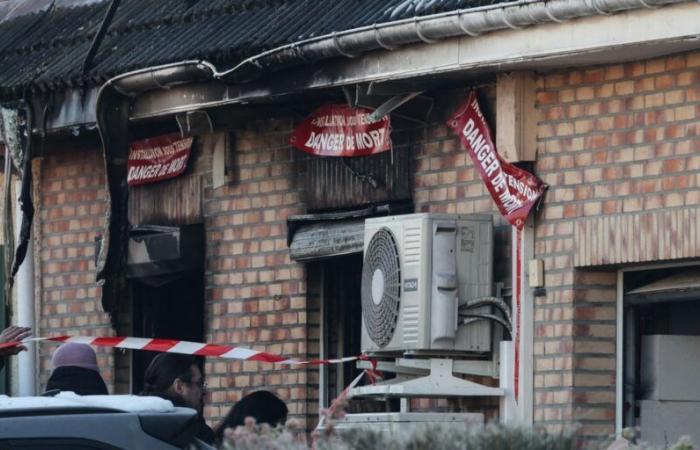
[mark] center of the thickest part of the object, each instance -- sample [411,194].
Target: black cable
[490,317]
[493,301]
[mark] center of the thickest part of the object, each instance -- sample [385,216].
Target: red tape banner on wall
[514,190]
[159,158]
[339,130]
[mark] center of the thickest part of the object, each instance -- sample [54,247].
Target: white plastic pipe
[24,288]
[509,413]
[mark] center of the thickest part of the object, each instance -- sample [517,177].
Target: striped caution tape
[186,348]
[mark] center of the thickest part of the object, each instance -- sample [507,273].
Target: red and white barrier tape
[185,348]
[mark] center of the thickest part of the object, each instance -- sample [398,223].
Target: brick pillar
[255,295]
[594,352]
[71,215]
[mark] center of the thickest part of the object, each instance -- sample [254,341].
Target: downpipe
[112,114]
[26,361]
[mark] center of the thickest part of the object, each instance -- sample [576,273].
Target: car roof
[69,402]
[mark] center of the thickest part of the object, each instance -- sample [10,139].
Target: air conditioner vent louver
[381,287]
[412,245]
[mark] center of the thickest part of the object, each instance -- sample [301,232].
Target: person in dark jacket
[263,406]
[75,369]
[12,334]
[178,378]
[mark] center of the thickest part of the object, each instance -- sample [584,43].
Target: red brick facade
[612,140]
[70,214]
[256,296]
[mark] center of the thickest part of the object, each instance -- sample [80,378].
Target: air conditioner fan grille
[381,287]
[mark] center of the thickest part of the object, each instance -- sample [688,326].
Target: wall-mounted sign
[158,158]
[339,130]
[513,189]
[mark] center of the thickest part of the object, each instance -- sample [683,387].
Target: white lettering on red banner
[158,158]
[514,190]
[338,130]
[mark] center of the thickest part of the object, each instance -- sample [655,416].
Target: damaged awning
[323,240]
[317,236]
[677,287]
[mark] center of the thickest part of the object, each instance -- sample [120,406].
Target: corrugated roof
[45,45]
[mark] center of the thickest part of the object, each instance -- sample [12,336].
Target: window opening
[661,353]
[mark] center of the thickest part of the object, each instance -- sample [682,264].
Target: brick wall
[256,296]
[613,140]
[445,179]
[70,215]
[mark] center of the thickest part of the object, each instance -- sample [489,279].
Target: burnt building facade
[259,245]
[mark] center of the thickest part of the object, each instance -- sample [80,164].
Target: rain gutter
[388,36]
[428,29]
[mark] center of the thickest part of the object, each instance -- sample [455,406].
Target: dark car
[72,422]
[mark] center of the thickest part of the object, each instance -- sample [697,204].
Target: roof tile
[48,46]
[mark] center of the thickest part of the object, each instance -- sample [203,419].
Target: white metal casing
[428,317]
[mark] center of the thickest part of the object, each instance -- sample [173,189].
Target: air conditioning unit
[417,270]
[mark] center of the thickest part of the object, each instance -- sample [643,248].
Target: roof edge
[428,29]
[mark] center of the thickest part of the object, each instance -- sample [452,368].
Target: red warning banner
[514,190]
[339,130]
[156,159]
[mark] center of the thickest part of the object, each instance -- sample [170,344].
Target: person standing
[263,406]
[75,370]
[178,378]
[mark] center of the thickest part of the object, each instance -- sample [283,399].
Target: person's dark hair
[263,406]
[164,369]
[80,380]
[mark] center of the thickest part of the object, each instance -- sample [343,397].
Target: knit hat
[76,355]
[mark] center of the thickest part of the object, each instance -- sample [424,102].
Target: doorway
[171,310]
[341,311]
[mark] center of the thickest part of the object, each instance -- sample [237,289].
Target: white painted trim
[525,403]
[26,307]
[619,360]
[509,413]
[517,328]
[527,327]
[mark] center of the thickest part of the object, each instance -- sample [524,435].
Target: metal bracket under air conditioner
[439,381]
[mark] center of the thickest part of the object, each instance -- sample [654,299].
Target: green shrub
[292,436]
[423,437]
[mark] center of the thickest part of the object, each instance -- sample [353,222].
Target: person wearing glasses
[178,378]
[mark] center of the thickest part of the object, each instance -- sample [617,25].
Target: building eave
[627,36]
